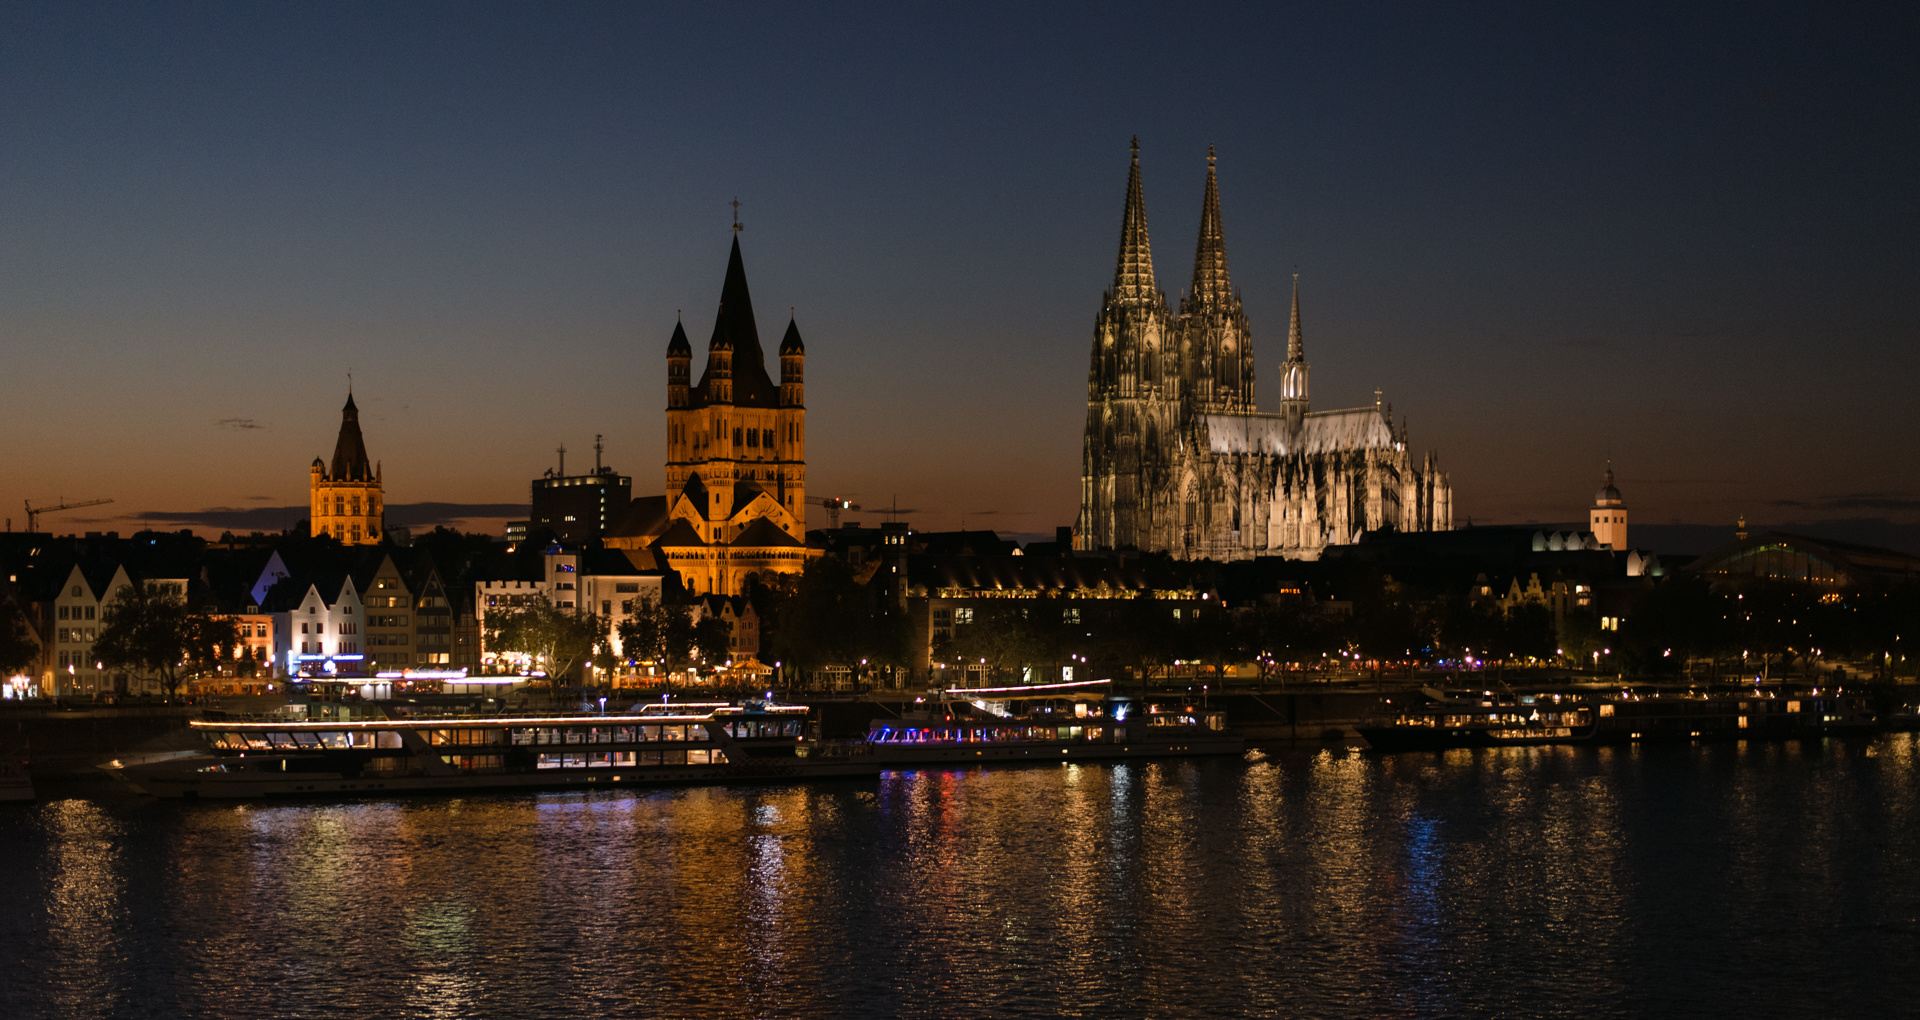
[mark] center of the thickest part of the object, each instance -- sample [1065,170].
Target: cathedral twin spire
[1133,281]
[1206,361]
[1212,287]
[1133,276]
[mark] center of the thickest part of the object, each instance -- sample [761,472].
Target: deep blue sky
[1685,235]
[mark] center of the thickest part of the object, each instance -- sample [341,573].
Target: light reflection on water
[1749,879]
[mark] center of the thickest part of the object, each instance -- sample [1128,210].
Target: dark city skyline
[1683,239]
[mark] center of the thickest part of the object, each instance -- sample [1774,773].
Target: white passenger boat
[1083,722]
[651,744]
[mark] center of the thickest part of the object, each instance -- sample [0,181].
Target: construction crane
[834,506]
[33,515]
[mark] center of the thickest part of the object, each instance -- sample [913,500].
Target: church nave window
[736,436]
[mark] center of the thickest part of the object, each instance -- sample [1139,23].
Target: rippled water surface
[1730,880]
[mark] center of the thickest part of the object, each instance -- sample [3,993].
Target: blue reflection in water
[1421,924]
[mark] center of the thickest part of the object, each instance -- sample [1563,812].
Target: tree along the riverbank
[558,640]
[18,650]
[152,631]
[832,619]
[667,635]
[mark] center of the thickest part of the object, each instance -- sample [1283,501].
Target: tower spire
[1133,275]
[1296,343]
[1293,373]
[1211,285]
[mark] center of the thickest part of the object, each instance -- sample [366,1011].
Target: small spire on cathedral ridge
[736,214]
[1296,340]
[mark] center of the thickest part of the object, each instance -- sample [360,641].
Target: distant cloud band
[279,518]
[1883,501]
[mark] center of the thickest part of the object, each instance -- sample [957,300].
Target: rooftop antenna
[563,460]
[736,214]
[596,453]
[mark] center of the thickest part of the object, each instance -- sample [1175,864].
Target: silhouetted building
[578,508]
[1823,563]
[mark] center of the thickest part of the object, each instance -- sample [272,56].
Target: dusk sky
[1686,236]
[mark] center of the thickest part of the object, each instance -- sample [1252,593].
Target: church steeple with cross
[736,492]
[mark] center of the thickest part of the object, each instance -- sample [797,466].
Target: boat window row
[748,730]
[984,734]
[531,735]
[630,759]
[303,740]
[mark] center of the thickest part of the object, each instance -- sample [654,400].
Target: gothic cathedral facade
[1177,459]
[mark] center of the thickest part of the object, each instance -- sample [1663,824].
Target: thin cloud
[276,518]
[240,424]
[1885,502]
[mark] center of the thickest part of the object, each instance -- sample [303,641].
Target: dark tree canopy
[153,631]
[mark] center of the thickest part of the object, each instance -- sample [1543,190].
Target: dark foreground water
[1729,880]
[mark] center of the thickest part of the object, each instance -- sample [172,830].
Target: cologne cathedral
[1178,461]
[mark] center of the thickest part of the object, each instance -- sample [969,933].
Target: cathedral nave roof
[1360,428]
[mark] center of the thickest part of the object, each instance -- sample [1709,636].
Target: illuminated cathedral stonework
[1177,460]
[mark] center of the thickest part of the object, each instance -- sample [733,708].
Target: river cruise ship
[1084,723]
[649,744]
[1434,720]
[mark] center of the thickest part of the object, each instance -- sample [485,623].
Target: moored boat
[650,744]
[1435,720]
[1096,726]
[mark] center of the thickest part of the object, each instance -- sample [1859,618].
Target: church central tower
[1133,391]
[346,495]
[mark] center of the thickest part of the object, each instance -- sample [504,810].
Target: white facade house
[79,614]
[316,632]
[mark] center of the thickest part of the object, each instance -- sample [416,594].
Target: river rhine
[1720,880]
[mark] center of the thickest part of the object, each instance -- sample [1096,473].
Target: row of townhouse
[371,610]
[309,607]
